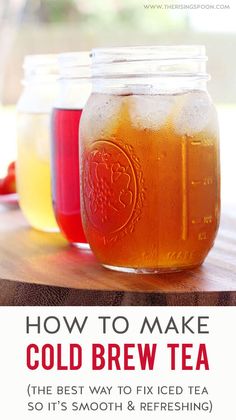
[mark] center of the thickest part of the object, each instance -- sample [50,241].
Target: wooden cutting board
[42,269]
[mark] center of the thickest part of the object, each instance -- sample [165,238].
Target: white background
[15,377]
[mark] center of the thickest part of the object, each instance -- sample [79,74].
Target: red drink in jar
[66,179]
[73,93]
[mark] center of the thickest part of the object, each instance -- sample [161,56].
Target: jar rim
[152,52]
[74,58]
[150,61]
[33,60]
[75,65]
[41,68]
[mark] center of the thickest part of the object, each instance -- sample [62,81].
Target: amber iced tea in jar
[150,164]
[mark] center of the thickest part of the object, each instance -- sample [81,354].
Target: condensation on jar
[150,159]
[74,90]
[33,141]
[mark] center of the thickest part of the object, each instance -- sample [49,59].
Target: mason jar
[33,141]
[74,90]
[150,159]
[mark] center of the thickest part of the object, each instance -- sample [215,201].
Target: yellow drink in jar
[33,170]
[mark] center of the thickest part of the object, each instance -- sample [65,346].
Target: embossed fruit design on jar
[150,160]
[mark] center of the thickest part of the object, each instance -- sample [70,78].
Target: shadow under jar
[150,159]
[74,90]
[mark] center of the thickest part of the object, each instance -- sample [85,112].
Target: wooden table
[42,269]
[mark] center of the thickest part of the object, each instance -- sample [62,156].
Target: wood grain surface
[42,269]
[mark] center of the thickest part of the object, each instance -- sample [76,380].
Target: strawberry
[8,184]
[11,168]
[3,189]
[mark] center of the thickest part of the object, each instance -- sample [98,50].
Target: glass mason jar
[74,90]
[33,141]
[150,159]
